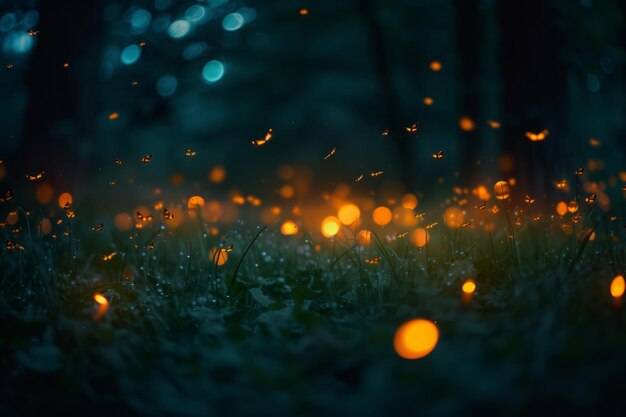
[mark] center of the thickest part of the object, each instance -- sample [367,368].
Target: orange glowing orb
[287,191]
[502,190]
[469,286]
[466,124]
[435,66]
[100,299]
[561,208]
[195,202]
[12,218]
[364,237]
[618,285]
[348,213]
[381,215]
[44,193]
[289,228]
[409,201]
[218,256]
[217,174]
[454,217]
[46,226]
[420,237]
[428,101]
[482,193]
[123,221]
[65,198]
[572,207]
[416,339]
[330,226]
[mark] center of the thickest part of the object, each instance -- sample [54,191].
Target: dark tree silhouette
[469,40]
[534,92]
[56,117]
[389,102]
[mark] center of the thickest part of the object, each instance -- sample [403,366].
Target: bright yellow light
[195,202]
[100,299]
[420,237]
[502,190]
[572,207]
[349,213]
[64,199]
[561,208]
[618,285]
[454,217]
[289,228]
[416,339]
[469,286]
[381,215]
[330,226]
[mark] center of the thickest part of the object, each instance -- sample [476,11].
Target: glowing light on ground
[420,237]
[65,198]
[454,217]
[195,202]
[381,215]
[330,226]
[468,287]
[561,208]
[100,299]
[502,190]
[349,213]
[618,285]
[416,339]
[218,256]
[289,228]
[364,237]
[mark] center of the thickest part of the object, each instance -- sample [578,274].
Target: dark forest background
[335,77]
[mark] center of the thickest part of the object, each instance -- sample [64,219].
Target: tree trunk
[381,62]
[534,92]
[51,124]
[469,40]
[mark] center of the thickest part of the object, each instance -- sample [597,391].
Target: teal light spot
[179,29]
[140,19]
[213,71]
[195,13]
[166,85]
[130,54]
[232,22]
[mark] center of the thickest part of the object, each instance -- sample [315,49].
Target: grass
[301,325]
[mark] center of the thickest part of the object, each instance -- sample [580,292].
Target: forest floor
[294,326]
